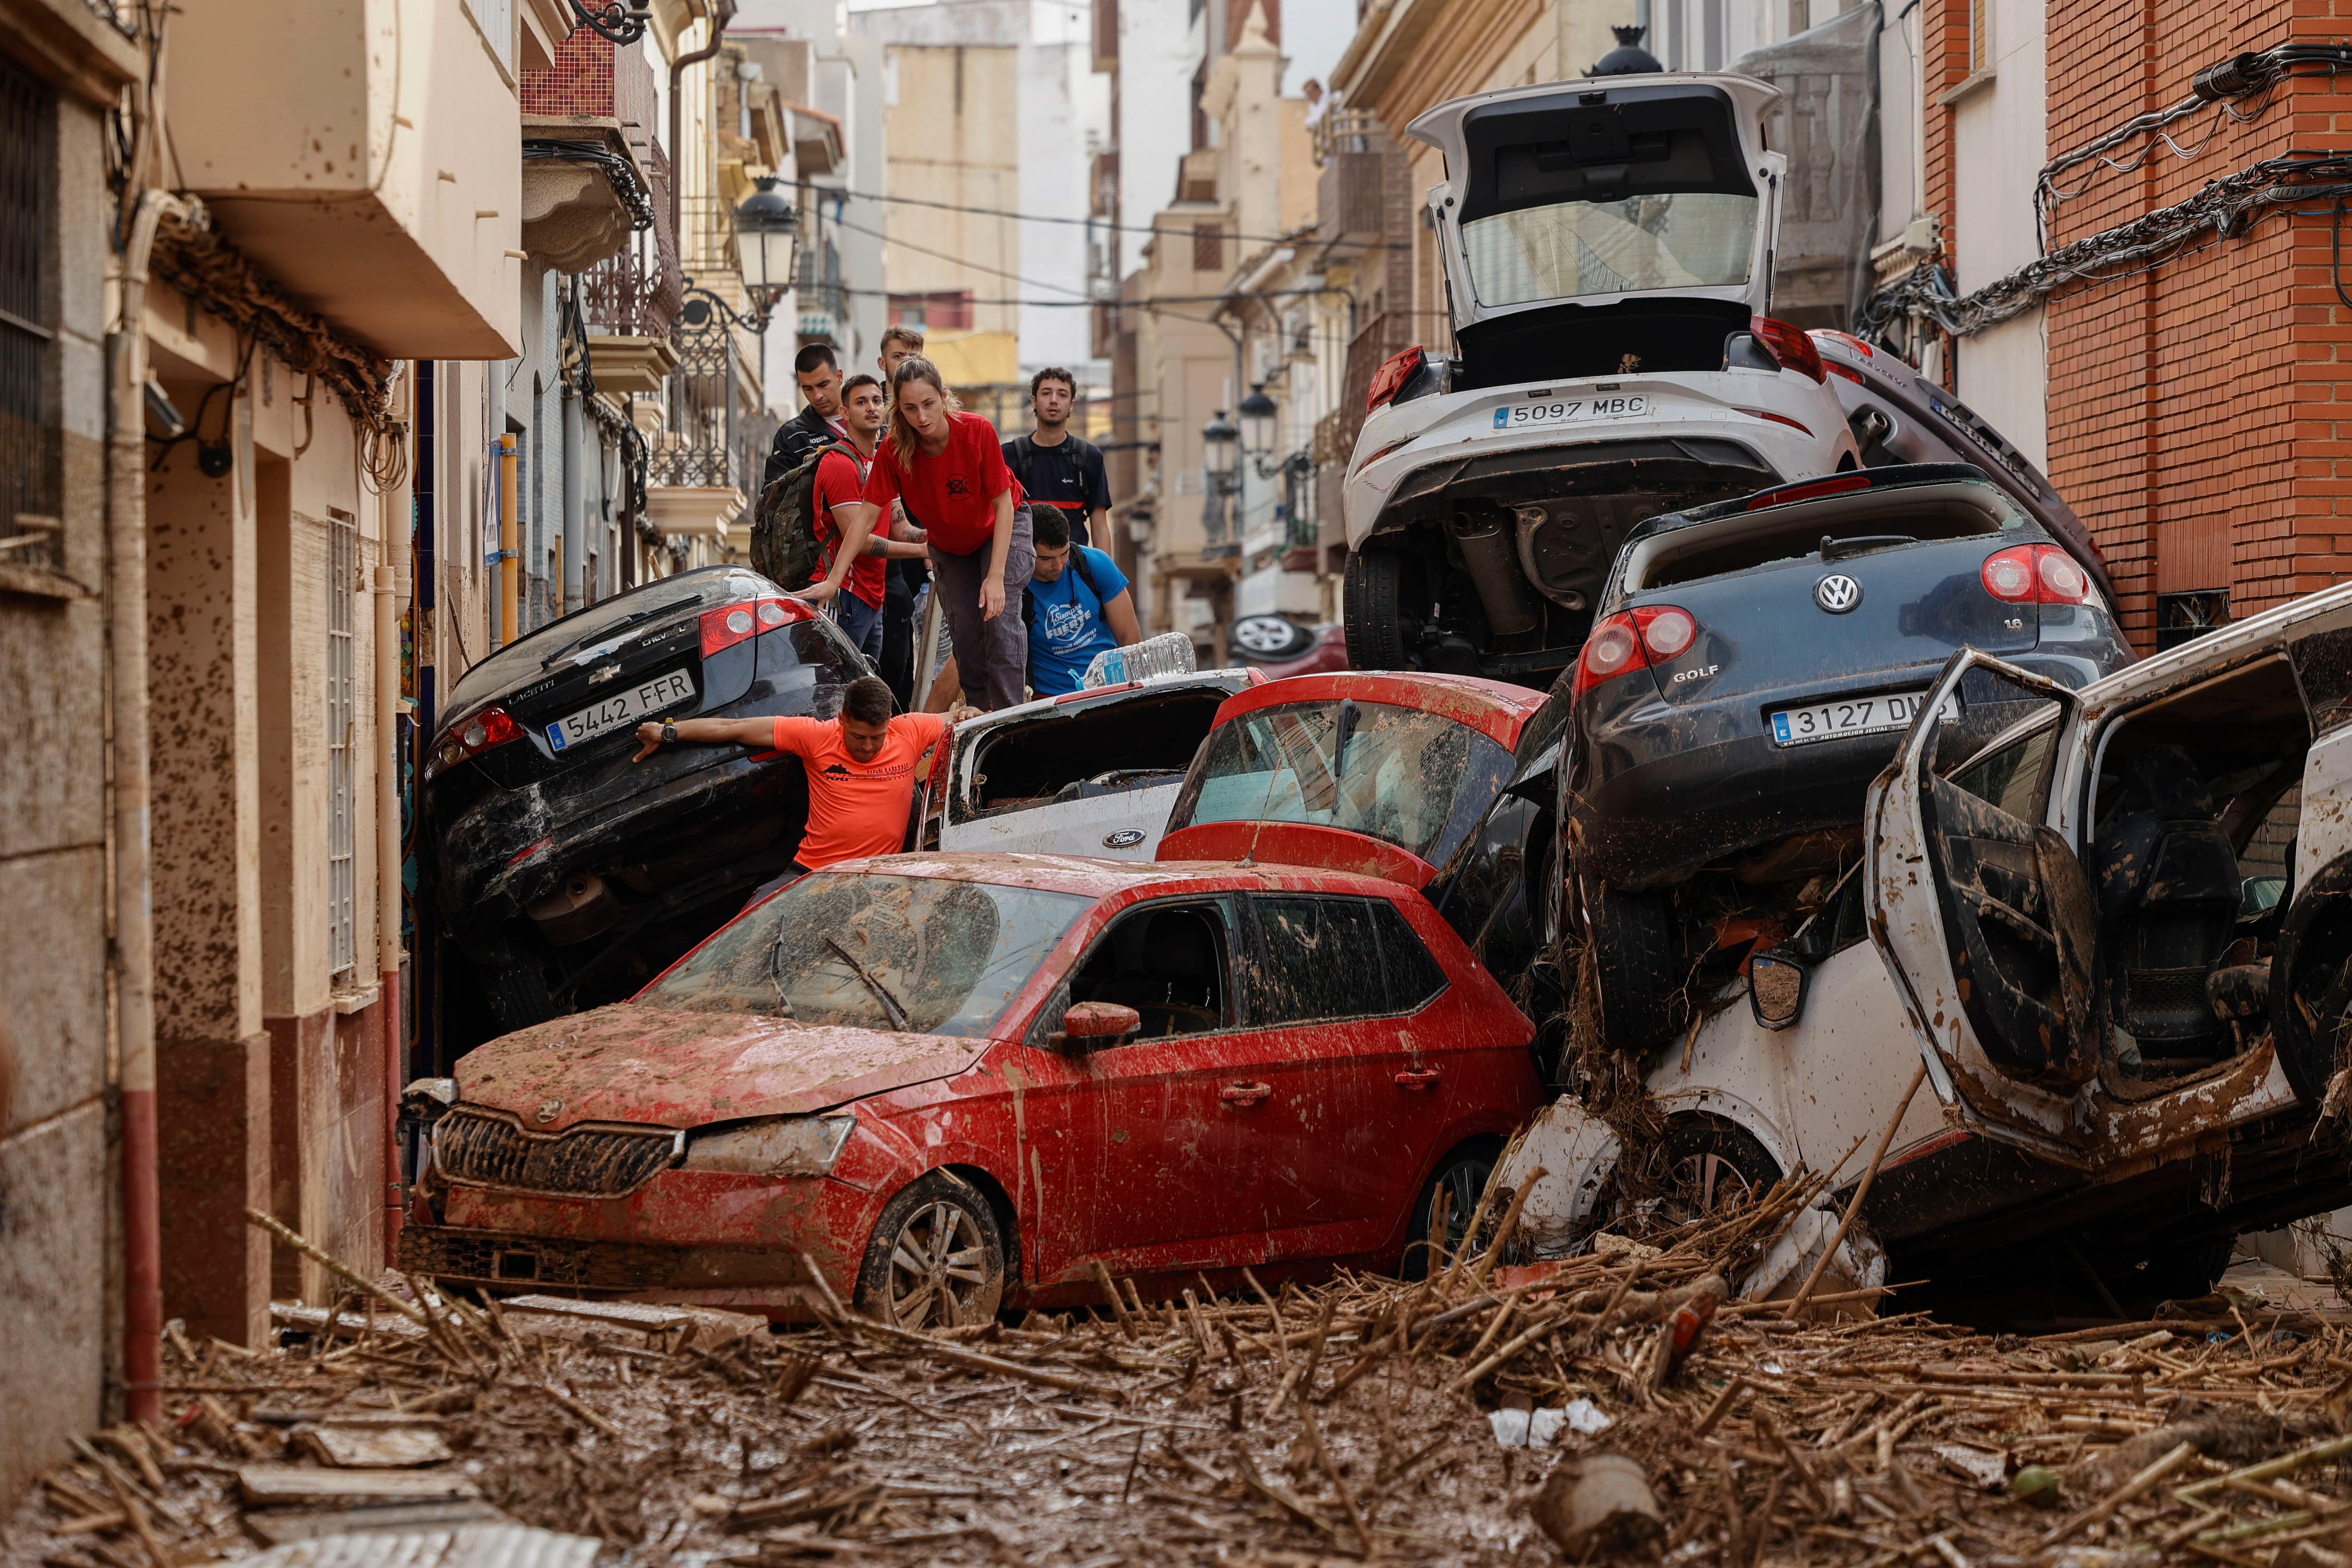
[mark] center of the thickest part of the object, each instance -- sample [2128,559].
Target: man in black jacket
[818,371]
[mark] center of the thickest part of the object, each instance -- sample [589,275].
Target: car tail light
[1823,334]
[730,624]
[1666,632]
[1787,493]
[492,727]
[2036,573]
[1789,345]
[1633,639]
[1389,379]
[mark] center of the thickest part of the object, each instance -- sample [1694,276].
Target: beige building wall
[951,129]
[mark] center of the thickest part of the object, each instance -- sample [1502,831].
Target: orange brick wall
[2193,410]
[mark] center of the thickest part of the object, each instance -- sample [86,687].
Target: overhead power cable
[2226,208]
[1177,233]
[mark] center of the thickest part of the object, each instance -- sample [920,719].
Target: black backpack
[784,545]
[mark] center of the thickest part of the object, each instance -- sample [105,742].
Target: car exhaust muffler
[1492,559]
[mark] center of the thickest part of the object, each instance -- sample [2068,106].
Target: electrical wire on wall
[2307,185]
[2223,85]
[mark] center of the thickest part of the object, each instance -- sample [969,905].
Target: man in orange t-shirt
[861,768]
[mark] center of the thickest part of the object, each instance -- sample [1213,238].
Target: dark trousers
[898,634]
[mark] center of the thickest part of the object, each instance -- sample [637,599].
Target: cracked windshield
[919,955]
[1674,240]
[1366,767]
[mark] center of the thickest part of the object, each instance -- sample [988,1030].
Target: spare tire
[1271,638]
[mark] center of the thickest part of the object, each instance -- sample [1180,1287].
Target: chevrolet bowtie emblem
[598,677]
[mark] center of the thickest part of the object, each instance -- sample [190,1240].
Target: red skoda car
[953,1083]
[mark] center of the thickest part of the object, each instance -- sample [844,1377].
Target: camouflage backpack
[784,544]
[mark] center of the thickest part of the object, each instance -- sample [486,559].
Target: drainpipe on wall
[720,14]
[134,889]
[510,544]
[387,871]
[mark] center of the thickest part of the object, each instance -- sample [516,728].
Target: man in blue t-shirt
[1077,604]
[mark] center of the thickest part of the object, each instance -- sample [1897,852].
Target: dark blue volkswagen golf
[1752,664]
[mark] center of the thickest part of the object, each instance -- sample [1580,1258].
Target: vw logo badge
[1125,838]
[1837,592]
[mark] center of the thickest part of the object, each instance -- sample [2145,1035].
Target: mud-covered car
[951,1083]
[1441,782]
[1091,771]
[1753,667]
[1608,249]
[2119,937]
[567,875]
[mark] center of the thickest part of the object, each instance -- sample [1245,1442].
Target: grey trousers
[992,656]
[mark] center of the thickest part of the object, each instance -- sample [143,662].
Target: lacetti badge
[1837,592]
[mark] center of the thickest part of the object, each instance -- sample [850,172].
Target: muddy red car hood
[627,1063]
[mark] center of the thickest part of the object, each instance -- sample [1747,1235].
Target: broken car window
[1674,240]
[951,955]
[1415,780]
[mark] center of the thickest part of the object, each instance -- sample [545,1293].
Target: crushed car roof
[1496,708]
[1101,878]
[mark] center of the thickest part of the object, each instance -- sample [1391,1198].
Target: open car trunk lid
[1623,215]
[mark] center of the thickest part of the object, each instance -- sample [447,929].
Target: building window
[948,310]
[1208,247]
[1979,36]
[342,579]
[29,443]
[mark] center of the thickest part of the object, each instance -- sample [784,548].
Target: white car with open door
[2120,936]
[1608,251]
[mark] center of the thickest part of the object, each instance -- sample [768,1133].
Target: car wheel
[1376,603]
[937,1259]
[512,982]
[1271,638]
[1643,1000]
[1713,1164]
[1457,1182]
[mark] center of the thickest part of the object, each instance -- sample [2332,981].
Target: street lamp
[1218,439]
[767,240]
[1259,414]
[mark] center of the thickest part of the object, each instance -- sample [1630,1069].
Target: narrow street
[1096,783]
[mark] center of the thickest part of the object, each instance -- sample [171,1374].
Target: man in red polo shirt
[860,766]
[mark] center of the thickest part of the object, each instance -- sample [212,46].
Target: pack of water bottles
[1170,653]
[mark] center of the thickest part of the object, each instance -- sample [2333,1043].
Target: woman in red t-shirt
[948,466]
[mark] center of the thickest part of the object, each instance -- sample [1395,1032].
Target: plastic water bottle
[1170,653]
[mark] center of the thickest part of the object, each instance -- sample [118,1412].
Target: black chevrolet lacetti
[567,875]
[1751,666]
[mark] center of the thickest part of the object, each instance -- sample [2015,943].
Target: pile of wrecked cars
[1730,689]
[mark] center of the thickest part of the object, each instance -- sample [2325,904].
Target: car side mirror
[1091,1024]
[1776,988]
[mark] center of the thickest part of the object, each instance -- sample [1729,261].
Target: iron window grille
[29,451]
[342,580]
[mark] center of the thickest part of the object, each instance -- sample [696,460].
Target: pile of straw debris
[1613,1406]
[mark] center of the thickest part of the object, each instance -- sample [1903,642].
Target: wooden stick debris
[1861,1191]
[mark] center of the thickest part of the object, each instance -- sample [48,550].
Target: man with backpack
[817,370]
[1077,604]
[850,565]
[1055,469]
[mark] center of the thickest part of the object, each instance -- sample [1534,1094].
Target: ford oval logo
[1125,838]
[1837,592]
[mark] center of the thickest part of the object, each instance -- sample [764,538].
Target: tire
[512,983]
[1713,1164]
[937,1258]
[1374,602]
[1643,1004]
[1271,638]
[1461,1176]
